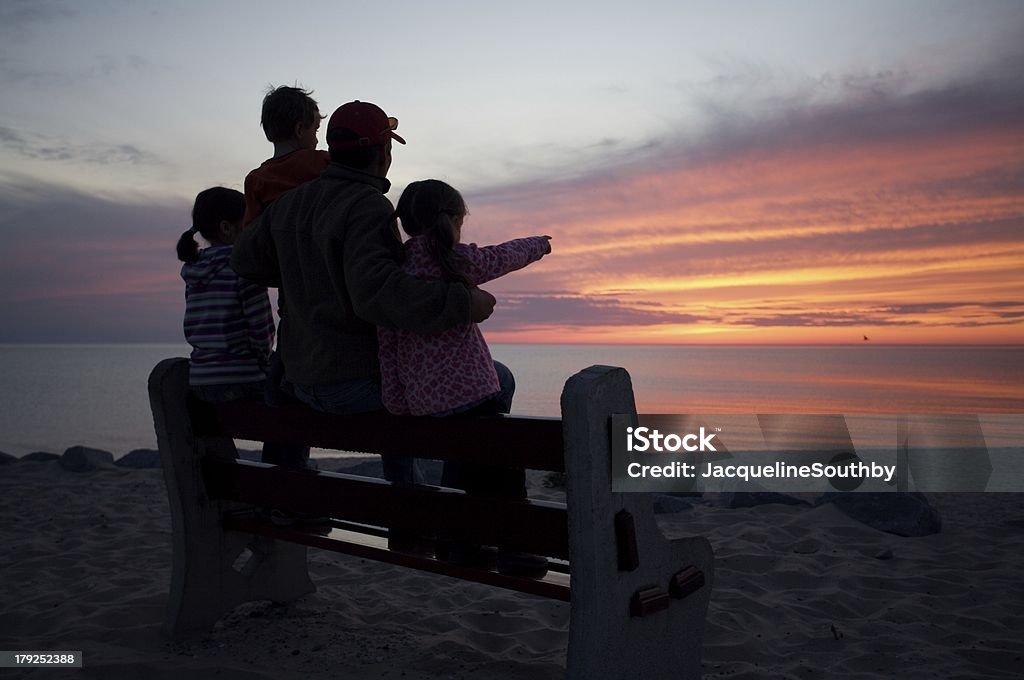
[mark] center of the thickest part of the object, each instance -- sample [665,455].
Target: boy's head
[290,114]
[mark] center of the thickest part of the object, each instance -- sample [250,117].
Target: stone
[884,554]
[139,459]
[40,457]
[902,514]
[84,459]
[6,458]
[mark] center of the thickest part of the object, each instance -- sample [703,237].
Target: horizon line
[48,343]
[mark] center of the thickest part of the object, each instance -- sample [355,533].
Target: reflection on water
[737,379]
[53,396]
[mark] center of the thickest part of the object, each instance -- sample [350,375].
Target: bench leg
[213,570]
[639,601]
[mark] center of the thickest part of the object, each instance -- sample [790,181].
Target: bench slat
[554,585]
[515,441]
[539,527]
[554,563]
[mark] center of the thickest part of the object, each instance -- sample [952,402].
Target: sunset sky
[710,172]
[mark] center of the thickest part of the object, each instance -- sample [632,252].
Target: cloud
[819,320]
[753,112]
[51,148]
[921,308]
[18,17]
[526,311]
[760,108]
[83,267]
[958,314]
[38,23]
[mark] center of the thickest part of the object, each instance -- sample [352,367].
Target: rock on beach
[85,459]
[140,459]
[39,457]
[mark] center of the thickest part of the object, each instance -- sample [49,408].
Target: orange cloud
[819,243]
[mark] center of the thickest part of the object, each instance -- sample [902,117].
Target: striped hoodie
[228,322]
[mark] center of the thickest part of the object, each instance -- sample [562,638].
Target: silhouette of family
[367,322]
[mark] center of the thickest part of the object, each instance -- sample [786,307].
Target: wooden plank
[554,585]
[538,527]
[534,443]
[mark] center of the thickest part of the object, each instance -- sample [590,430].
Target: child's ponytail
[188,249]
[441,244]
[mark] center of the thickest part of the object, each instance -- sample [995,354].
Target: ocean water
[56,396]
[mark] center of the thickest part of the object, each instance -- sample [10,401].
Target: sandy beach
[800,592]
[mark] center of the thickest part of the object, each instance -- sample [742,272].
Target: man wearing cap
[332,248]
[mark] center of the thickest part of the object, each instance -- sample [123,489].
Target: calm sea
[56,396]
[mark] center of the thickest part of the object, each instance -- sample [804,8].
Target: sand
[799,593]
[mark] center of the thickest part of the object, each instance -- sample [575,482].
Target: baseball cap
[371,125]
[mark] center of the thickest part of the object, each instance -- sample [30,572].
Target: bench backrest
[536,443]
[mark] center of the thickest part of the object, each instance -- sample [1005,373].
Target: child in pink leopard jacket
[452,373]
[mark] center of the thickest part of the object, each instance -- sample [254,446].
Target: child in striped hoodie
[228,320]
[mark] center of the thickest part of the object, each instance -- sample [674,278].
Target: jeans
[359,396]
[232,392]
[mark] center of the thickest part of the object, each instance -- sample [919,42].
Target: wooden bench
[638,601]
